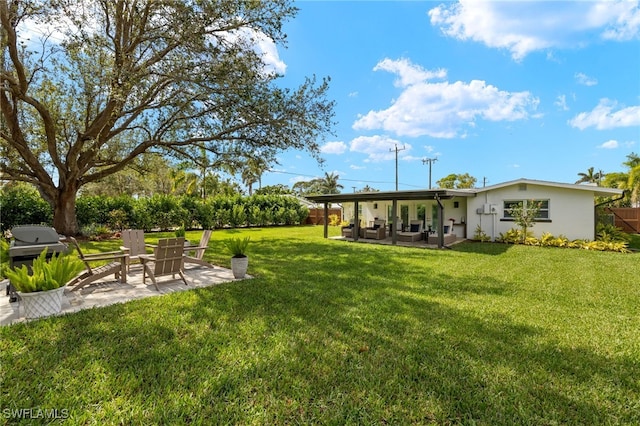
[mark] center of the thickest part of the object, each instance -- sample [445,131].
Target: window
[543,208]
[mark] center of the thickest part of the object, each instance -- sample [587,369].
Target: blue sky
[499,90]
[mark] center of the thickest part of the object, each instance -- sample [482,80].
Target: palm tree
[633,180]
[329,184]
[590,176]
[252,171]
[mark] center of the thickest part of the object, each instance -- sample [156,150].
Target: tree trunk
[64,212]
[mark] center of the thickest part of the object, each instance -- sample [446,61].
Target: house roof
[423,194]
[597,190]
[440,193]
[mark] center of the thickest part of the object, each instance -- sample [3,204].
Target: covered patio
[395,197]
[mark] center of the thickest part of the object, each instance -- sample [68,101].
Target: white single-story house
[564,209]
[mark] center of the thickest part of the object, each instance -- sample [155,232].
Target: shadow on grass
[327,334]
[482,248]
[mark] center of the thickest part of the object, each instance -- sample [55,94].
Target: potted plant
[180,232]
[41,291]
[237,247]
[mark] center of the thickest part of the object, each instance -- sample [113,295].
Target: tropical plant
[55,273]
[237,247]
[524,215]
[590,176]
[334,220]
[4,257]
[329,183]
[480,235]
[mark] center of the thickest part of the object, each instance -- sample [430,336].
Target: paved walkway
[108,292]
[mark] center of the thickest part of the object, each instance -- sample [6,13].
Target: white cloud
[561,103]
[266,47]
[297,179]
[585,80]
[262,44]
[408,72]
[353,94]
[610,144]
[337,147]
[354,167]
[604,117]
[378,148]
[441,109]
[523,27]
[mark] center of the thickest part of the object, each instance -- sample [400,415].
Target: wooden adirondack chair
[199,251]
[117,267]
[133,245]
[168,259]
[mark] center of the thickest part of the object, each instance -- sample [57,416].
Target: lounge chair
[168,259]
[378,231]
[133,244]
[347,231]
[198,251]
[413,234]
[117,267]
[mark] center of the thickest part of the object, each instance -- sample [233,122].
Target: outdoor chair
[347,231]
[413,234]
[117,266]
[168,259]
[133,244]
[198,251]
[378,231]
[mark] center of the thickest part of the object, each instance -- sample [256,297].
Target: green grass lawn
[339,333]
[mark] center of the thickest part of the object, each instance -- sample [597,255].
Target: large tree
[457,181]
[112,79]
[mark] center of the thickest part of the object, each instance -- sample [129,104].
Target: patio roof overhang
[394,197]
[424,194]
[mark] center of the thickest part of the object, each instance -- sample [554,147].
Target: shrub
[480,235]
[609,233]
[334,220]
[118,219]
[21,204]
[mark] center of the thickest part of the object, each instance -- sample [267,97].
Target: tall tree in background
[113,79]
[329,183]
[590,176]
[457,181]
[628,181]
[252,172]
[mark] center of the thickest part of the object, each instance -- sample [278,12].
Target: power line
[345,180]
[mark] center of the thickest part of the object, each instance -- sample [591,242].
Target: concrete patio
[108,292]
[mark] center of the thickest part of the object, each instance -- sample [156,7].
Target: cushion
[376,225]
[415,228]
[351,225]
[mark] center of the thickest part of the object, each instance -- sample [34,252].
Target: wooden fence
[626,218]
[316,216]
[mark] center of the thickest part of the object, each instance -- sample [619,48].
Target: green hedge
[22,204]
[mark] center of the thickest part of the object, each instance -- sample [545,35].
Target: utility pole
[430,161]
[484,182]
[396,149]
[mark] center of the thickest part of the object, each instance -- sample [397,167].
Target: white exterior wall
[571,211]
